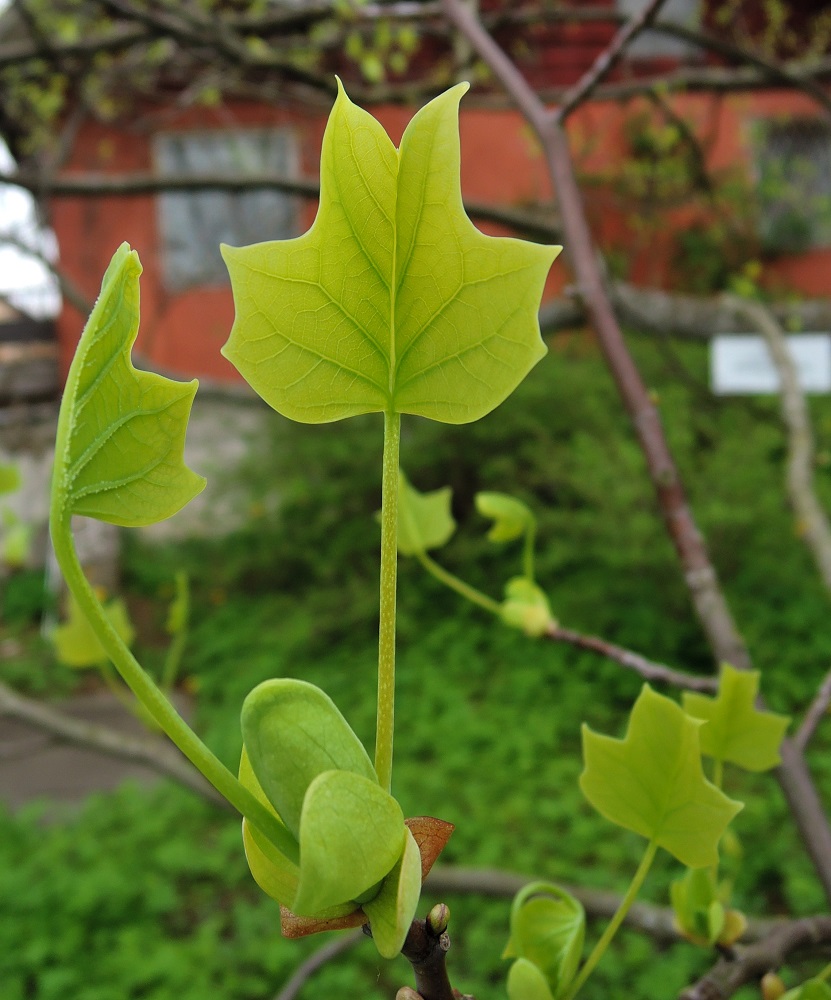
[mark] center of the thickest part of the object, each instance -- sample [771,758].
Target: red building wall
[501,163]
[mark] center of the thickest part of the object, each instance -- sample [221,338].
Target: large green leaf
[293,732]
[121,433]
[424,519]
[737,731]
[392,301]
[352,834]
[391,912]
[652,782]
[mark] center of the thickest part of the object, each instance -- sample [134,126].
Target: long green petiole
[451,580]
[151,697]
[600,948]
[389,576]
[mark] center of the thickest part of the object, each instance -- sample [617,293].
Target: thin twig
[608,59]
[817,711]
[812,521]
[749,964]
[647,669]
[159,756]
[329,951]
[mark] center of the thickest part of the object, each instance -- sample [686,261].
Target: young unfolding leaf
[526,982]
[813,989]
[303,760]
[526,607]
[77,645]
[699,913]
[424,519]
[651,782]
[121,432]
[737,731]
[393,301]
[547,928]
[511,518]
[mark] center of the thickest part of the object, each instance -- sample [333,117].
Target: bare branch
[647,669]
[815,714]
[812,522]
[161,757]
[329,951]
[749,964]
[608,59]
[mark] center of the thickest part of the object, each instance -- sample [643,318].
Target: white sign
[740,364]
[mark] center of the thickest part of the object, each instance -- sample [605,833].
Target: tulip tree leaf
[393,301]
[424,519]
[651,781]
[548,928]
[76,643]
[511,517]
[737,731]
[121,433]
[352,834]
[392,911]
[293,732]
[527,982]
[698,911]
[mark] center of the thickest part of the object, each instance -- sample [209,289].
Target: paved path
[36,765]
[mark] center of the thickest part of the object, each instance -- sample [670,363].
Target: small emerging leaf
[526,607]
[511,518]
[77,645]
[393,301]
[526,982]
[121,432]
[548,928]
[392,911]
[424,519]
[699,913]
[651,781]
[736,730]
[179,611]
[812,989]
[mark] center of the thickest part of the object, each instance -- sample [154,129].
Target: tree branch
[329,951]
[161,757]
[700,575]
[647,669]
[608,59]
[815,714]
[749,964]
[812,522]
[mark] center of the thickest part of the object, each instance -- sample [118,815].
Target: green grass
[146,894]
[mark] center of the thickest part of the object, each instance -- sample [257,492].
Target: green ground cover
[145,894]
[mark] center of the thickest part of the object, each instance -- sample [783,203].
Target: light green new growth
[651,782]
[393,302]
[424,519]
[76,643]
[736,731]
[119,458]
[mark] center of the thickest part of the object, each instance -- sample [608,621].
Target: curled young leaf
[698,911]
[391,912]
[526,607]
[526,982]
[424,519]
[121,432]
[393,301]
[651,781]
[76,643]
[548,928]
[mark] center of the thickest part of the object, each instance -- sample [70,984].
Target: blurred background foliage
[145,893]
